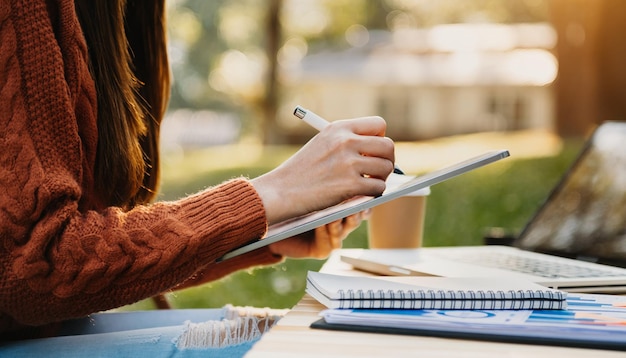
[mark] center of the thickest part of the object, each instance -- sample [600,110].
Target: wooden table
[292,337]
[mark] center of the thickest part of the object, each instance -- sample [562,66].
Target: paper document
[597,321]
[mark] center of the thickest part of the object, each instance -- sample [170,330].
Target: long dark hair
[126,40]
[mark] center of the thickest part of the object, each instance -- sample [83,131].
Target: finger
[366,214]
[338,234]
[352,222]
[335,228]
[368,186]
[376,167]
[371,126]
[381,147]
[322,244]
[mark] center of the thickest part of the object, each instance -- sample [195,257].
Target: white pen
[311,118]
[320,123]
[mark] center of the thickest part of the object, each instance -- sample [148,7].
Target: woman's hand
[320,242]
[347,159]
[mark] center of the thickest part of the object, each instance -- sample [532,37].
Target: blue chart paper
[594,321]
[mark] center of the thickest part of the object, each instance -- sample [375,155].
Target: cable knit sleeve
[58,260]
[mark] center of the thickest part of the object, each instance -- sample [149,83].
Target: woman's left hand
[320,242]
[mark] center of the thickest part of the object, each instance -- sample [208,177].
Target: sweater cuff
[225,217]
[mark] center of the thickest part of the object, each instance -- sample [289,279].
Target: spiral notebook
[461,293]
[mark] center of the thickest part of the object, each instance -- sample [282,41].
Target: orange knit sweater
[62,253]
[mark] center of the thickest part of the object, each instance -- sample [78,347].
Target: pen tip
[397,170]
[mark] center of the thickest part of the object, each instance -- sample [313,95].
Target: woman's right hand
[348,158]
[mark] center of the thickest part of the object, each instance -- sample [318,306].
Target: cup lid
[394,180]
[422,192]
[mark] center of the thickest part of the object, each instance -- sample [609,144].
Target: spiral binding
[441,299]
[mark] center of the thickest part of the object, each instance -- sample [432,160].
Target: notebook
[401,185]
[590,321]
[453,293]
[576,241]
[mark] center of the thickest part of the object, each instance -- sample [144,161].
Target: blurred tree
[217,56]
[611,55]
[591,53]
[269,102]
[194,46]
[576,24]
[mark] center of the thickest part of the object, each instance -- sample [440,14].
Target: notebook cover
[580,341]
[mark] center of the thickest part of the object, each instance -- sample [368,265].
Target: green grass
[504,194]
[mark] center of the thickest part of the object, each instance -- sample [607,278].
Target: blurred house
[188,129]
[446,80]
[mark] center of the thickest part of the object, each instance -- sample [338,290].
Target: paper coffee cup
[398,223]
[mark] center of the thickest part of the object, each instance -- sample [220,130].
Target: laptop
[576,241]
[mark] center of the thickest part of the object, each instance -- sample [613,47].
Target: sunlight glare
[532,66]
[293,51]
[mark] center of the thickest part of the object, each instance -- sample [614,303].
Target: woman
[83,88]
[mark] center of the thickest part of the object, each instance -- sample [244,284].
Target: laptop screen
[585,215]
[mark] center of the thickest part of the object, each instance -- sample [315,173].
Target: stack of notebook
[484,308]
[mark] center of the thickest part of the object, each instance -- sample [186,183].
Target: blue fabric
[127,334]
